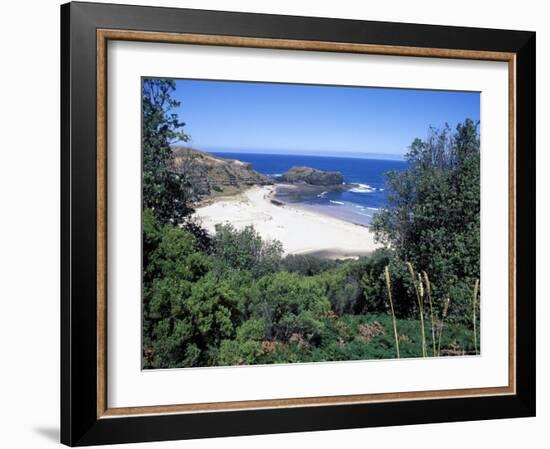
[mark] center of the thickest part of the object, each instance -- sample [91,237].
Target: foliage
[171,267]
[306,264]
[245,250]
[356,286]
[214,308]
[373,282]
[289,304]
[433,218]
[343,288]
[198,311]
[246,347]
[364,337]
[165,192]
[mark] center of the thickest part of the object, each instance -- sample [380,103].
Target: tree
[244,249]
[288,304]
[172,266]
[165,192]
[246,347]
[433,218]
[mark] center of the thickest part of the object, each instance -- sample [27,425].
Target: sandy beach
[300,231]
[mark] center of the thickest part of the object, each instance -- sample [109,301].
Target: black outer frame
[79,423]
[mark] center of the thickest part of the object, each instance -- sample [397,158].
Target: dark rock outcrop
[312,176]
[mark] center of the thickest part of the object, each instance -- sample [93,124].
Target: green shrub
[245,250]
[289,304]
[307,265]
[246,348]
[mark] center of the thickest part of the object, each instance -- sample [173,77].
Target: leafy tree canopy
[165,192]
[433,218]
[245,250]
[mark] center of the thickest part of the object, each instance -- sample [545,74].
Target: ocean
[357,205]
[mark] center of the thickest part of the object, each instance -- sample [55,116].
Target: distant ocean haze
[357,204]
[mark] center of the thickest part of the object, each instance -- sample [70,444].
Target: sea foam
[362,188]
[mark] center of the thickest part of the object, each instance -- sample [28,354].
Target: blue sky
[323,120]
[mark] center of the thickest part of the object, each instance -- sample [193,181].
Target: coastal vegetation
[233,297]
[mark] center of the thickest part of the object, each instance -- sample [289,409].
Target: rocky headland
[212,175]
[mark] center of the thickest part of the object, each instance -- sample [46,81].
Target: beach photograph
[294,223]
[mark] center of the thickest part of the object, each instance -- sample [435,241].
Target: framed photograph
[281,224]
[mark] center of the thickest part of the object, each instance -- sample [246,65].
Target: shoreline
[300,230]
[300,197]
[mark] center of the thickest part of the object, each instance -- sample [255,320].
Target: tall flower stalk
[388,286]
[418,288]
[429,293]
[446,303]
[474,306]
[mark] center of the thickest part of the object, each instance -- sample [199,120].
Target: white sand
[300,231]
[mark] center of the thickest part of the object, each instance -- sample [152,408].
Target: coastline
[300,230]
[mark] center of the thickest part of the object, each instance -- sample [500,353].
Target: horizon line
[378,156]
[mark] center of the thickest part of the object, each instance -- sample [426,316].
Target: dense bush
[433,217]
[289,304]
[198,314]
[361,337]
[245,250]
[343,288]
[306,264]
[203,309]
[246,348]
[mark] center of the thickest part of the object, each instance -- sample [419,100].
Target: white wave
[322,195]
[363,188]
[337,202]
[373,208]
